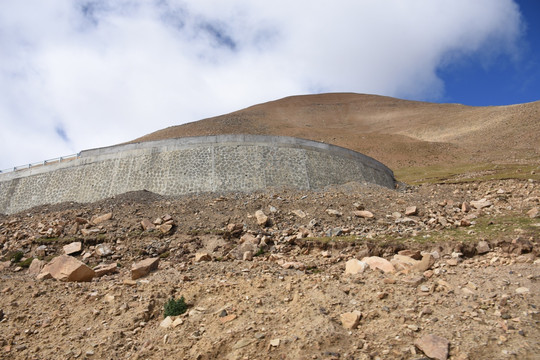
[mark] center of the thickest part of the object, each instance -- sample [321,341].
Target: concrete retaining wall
[182,166]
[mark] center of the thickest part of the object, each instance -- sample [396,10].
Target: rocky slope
[351,272]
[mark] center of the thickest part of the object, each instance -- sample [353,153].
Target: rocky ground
[351,272]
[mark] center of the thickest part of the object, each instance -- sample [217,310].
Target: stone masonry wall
[224,163]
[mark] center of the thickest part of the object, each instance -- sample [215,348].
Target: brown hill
[399,133]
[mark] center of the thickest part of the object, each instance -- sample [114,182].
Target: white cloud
[84,74]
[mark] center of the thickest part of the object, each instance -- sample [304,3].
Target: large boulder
[67,268]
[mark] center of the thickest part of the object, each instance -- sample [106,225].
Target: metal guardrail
[42,163]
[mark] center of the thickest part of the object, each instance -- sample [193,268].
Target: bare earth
[398,133]
[279,289]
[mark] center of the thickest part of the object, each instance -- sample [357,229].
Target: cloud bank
[84,74]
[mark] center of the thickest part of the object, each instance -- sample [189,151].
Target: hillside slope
[399,133]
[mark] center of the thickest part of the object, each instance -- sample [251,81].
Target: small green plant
[259,252]
[17,256]
[26,263]
[164,255]
[174,307]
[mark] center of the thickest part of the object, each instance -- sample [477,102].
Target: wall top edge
[97,154]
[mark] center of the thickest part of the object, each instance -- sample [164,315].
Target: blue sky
[502,80]
[82,74]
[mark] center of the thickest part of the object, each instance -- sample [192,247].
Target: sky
[77,75]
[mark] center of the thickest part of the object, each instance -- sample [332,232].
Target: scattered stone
[104,269]
[36,266]
[299,213]
[73,248]
[243,343]
[274,342]
[411,210]
[262,219]
[248,256]
[522,290]
[99,219]
[350,320]
[333,212]
[363,214]
[67,268]
[200,257]
[143,267]
[533,213]
[376,262]
[249,243]
[41,251]
[294,265]
[228,318]
[166,323]
[465,207]
[402,262]
[480,204]
[415,254]
[435,347]
[165,228]
[355,266]
[452,262]
[147,225]
[177,322]
[103,250]
[483,247]
[92,231]
[425,264]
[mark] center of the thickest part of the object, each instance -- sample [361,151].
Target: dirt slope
[397,132]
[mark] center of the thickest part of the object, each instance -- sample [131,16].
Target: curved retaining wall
[182,166]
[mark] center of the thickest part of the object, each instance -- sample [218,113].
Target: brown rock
[294,265]
[363,214]
[415,254]
[355,266]
[144,267]
[350,320]
[483,247]
[376,262]
[333,212]
[248,256]
[262,219]
[41,250]
[92,231]
[101,218]
[227,318]
[73,248]
[104,269]
[5,265]
[249,243]
[465,207]
[425,264]
[299,213]
[147,225]
[435,347]
[36,266]
[480,204]
[411,210]
[402,262]
[165,228]
[200,257]
[81,221]
[67,268]
[533,213]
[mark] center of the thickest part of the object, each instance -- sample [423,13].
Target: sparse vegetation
[174,307]
[26,263]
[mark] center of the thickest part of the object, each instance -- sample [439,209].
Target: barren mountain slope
[397,132]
